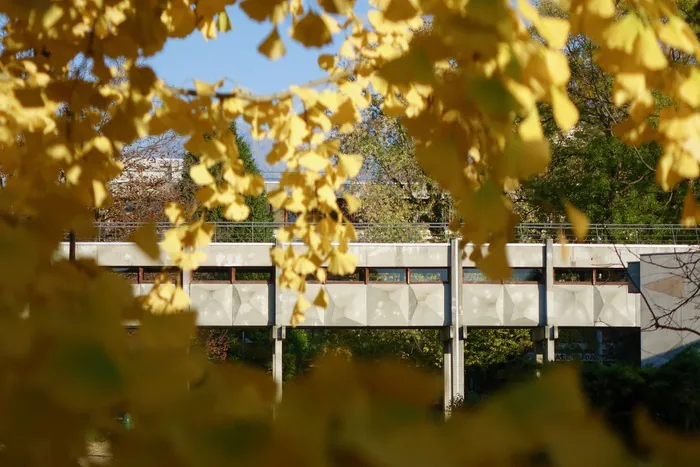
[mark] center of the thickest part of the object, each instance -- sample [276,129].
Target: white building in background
[166,168]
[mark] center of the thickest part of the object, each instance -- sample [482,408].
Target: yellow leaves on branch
[460,85]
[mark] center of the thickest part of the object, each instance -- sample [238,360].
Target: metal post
[278,335]
[455,320]
[71,246]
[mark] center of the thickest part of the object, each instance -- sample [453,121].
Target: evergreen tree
[259,205]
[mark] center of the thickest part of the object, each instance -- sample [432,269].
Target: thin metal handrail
[429,232]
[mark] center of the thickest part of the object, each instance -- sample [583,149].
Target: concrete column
[446,338]
[186,279]
[456,336]
[277,335]
[545,335]
[545,338]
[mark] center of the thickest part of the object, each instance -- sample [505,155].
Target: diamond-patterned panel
[213,303]
[482,304]
[612,307]
[251,304]
[573,305]
[347,305]
[387,305]
[521,304]
[427,304]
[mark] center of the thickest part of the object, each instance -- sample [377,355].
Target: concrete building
[554,287]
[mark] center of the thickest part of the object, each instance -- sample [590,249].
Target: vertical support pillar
[446,338]
[545,335]
[278,334]
[545,338]
[71,246]
[599,345]
[186,280]
[457,344]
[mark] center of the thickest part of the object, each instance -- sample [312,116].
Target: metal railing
[260,232]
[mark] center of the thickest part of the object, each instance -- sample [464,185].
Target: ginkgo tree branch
[255,98]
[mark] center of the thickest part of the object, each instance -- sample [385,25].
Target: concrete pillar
[453,337]
[545,335]
[186,279]
[446,338]
[599,345]
[545,338]
[277,335]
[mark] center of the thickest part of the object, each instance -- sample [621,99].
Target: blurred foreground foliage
[189,412]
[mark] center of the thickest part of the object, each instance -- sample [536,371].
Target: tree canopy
[472,93]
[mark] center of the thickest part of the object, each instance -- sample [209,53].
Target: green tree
[610,181]
[259,205]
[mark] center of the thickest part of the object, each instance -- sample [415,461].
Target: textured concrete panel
[127,254]
[573,306]
[613,307]
[137,289]
[251,304]
[482,304]
[520,255]
[387,305]
[314,316]
[669,286]
[407,255]
[238,254]
[347,305]
[429,305]
[591,255]
[213,303]
[521,304]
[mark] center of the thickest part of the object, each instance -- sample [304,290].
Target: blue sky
[234,57]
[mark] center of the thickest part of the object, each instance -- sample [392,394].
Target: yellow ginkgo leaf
[341,263]
[678,34]
[223,22]
[554,30]
[313,161]
[352,202]
[337,7]
[579,221]
[321,299]
[689,91]
[175,213]
[204,89]
[326,61]
[201,175]
[272,47]
[100,193]
[565,112]
[351,164]
[690,209]
[147,239]
[648,52]
[277,198]
[311,31]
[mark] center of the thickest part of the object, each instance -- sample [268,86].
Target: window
[144,275]
[574,275]
[610,275]
[419,275]
[474,275]
[129,274]
[150,274]
[387,275]
[527,275]
[357,276]
[253,275]
[211,274]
